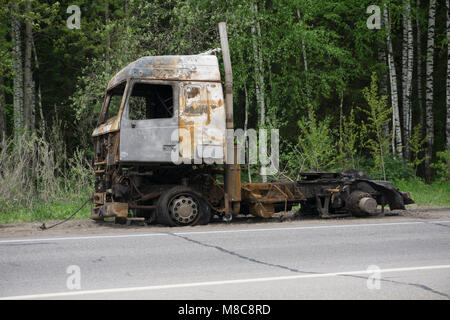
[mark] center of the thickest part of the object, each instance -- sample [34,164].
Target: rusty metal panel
[202,122]
[200,67]
[263,196]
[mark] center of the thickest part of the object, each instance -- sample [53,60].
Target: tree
[377,116]
[17,69]
[419,64]
[447,3]
[28,101]
[407,70]
[258,65]
[396,129]
[430,88]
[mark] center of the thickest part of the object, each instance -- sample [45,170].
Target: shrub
[442,166]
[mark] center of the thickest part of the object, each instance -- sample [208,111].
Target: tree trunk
[396,130]
[245,130]
[18,71]
[448,76]
[429,90]
[39,96]
[407,68]
[257,54]
[305,63]
[259,76]
[383,82]
[28,100]
[419,65]
[404,70]
[108,37]
[2,114]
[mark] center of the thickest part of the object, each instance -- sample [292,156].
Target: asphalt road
[376,260]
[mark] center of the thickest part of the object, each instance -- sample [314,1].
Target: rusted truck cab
[162,124]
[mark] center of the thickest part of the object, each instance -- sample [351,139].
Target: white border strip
[213,283]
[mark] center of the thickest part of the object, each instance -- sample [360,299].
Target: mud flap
[394,198]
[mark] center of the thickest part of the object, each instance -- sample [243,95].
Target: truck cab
[158,112]
[164,109]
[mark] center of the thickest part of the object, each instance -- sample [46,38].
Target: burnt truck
[160,110]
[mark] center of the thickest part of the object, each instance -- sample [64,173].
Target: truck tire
[182,206]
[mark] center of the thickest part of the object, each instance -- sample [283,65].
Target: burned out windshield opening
[114,100]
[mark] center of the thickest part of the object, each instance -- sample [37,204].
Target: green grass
[44,212]
[435,194]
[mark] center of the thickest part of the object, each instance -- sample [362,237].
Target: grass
[435,194]
[44,212]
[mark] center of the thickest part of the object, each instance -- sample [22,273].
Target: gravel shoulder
[84,227]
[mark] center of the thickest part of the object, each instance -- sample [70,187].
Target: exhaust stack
[232,177]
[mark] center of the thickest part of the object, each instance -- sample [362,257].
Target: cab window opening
[150,101]
[114,100]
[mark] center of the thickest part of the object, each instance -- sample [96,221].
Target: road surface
[370,259]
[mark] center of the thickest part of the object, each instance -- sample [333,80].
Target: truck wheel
[362,204]
[182,206]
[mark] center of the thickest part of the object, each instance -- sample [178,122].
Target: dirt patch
[84,227]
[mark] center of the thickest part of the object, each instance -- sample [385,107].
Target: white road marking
[83,238]
[213,283]
[221,231]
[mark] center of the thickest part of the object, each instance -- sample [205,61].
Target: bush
[35,176]
[442,166]
[396,169]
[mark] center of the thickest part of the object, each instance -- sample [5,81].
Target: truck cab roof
[201,67]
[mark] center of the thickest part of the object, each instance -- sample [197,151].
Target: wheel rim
[183,209]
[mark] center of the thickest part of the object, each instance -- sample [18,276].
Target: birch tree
[429,88]
[28,101]
[419,64]
[2,114]
[447,3]
[258,63]
[407,69]
[17,70]
[305,63]
[396,130]
[257,54]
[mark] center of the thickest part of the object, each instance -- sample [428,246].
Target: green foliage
[417,146]
[316,144]
[397,168]
[442,166]
[348,143]
[378,116]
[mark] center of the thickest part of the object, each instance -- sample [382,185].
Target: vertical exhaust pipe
[229,179]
